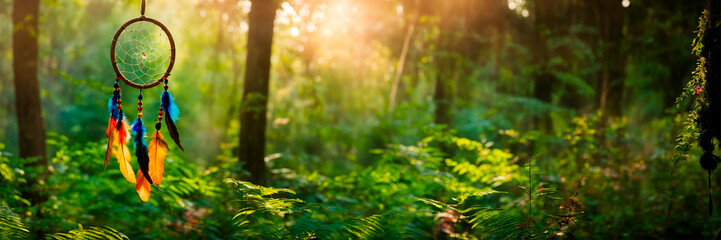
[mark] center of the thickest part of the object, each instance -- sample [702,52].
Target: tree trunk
[255,89]
[27,91]
[612,82]
[400,66]
[442,96]
[544,79]
[31,128]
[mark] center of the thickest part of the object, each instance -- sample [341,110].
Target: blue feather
[113,108]
[141,148]
[138,129]
[110,104]
[169,106]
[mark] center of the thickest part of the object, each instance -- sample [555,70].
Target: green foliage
[11,226]
[80,191]
[264,217]
[488,222]
[12,177]
[479,218]
[92,233]
[696,86]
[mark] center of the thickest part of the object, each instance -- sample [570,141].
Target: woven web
[142,52]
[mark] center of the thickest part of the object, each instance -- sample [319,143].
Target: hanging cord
[142,8]
[140,104]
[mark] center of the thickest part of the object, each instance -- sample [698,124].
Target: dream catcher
[142,54]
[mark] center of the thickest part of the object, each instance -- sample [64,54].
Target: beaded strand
[140,104]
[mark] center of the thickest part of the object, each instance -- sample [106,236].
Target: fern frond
[496,224]
[413,232]
[11,226]
[99,233]
[436,203]
[363,228]
[257,189]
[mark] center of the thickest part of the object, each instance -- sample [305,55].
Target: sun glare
[328,19]
[519,6]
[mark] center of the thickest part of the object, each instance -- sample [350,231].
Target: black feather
[141,149]
[173,131]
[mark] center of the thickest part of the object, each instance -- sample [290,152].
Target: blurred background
[481,94]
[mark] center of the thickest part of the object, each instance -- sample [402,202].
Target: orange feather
[157,150]
[110,133]
[142,187]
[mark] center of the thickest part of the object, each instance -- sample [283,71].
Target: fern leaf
[11,226]
[100,233]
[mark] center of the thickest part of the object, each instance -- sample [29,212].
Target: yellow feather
[142,187]
[122,153]
[157,150]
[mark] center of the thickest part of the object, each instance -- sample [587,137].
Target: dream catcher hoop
[144,47]
[142,54]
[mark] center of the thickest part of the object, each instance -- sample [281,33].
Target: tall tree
[608,17]
[255,89]
[544,79]
[31,127]
[446,63]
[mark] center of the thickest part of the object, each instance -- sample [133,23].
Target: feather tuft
[138,128]
[115,112]
[112,123]
[169,106]
[123,132]
[141,148]
[158,150]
